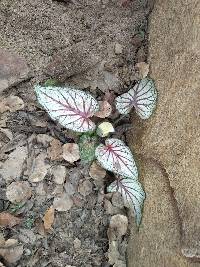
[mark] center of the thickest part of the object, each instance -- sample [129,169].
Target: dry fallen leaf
[13,166]
[18,192]
[11,103]
[55,150]
[8,220]
[143,69]
[3,106]
[39,168]
[71,152]
[70,188]
[85,188]
[44,139]
[105,109]
[39,227]
[59,173]
[15,103]
[11,251]
[49,218]
[62,203]
[109,208]
[118,227]
[57,191]
[114,254]
[97,173]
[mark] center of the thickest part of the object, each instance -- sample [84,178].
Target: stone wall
[168,145]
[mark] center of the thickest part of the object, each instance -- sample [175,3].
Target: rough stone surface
[73,40]
[13,69]
[170,140]
[65,64]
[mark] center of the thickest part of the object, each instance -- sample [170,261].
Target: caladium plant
[142,97]
[116,157]
[132,193]
[72,108]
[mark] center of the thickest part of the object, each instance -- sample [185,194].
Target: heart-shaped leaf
[132,193]
[142,97]
[116,157]
[72,108]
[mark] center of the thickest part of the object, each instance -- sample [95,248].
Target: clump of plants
[76,110]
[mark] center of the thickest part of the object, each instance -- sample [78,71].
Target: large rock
[169,143]
[71,61]
[13,69]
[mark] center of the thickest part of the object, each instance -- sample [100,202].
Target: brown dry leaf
[55,150]
[105,109]
[49,218]
[57,191]
[59,173]
[109,96]
[11,251]
[85,188]
[39,168]
[118,227]
[63,203]
[71,152]
[13,166]
[14,103]
[11,103]
[70,188]
[18,192]
[97,173]
[44,139]
[39,227]
[143,69]
[8,220]
[110,209]
[3,106]
[113,253]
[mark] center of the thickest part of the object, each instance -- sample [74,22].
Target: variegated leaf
[132,193]
[116,157]
[142,97]
[72,108]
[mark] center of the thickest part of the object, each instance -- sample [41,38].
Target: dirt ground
[91,44]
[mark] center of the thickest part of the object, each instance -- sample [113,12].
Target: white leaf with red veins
[116,157]
[132,193]
[142,97]
[72,108]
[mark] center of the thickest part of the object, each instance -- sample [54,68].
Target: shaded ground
[90,44]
